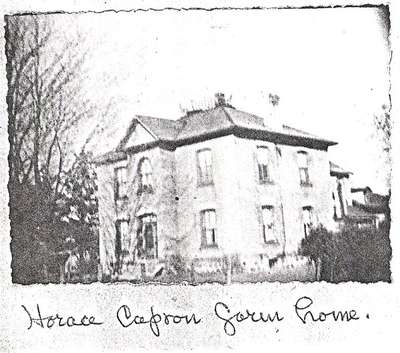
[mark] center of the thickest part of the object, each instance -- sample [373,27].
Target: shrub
[352,254]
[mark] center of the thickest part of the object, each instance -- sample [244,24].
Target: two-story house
[216,182]
[356,206]
[341,192]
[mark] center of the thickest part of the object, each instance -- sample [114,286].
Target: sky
[329,67]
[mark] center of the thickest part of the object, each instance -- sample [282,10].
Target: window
[122,239]
[302,161]
[263,161]
[204,160]
[307,220]
[145,173]
[120,183]
[146,242]
[208,228]
[268,224]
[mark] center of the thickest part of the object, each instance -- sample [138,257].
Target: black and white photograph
[222,153]
[201,150]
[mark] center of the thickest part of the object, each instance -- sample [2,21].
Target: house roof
[337,170]
[378,199]
[372,207]
[364,189]
[163,129]
[219,121]
[355,212]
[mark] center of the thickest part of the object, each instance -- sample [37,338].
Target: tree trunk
[36,146]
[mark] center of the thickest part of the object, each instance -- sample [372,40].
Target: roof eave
[276,137]
[339,174]
[286,139]
[109,157]
[139,119]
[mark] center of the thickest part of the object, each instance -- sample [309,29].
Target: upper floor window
[307,220]
[303,161]
[204,167]
[120,183]
[146,242]
[208,228]
[268,224]
[264,167]
[145,173]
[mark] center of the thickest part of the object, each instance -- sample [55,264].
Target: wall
[251,195]
[107,215]
[236,195]
[296,196]
[285,194]
[346,194]
[220,196]
[161,202]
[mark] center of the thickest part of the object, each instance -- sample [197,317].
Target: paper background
[381,301]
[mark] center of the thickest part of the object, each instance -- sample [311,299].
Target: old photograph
[190,147]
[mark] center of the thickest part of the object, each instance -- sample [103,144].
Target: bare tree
[44,103]
[384,124]
[45,108]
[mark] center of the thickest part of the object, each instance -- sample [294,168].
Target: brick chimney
[220,100]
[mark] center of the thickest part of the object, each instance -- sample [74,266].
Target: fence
[242,269]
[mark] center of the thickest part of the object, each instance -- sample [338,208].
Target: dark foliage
[35,236]
[52,205]
[352,254]
[45,232]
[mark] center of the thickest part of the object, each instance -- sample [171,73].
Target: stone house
[369,208]
[357,206]
[341,192]
[214,183]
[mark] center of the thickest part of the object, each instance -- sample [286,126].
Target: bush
[352,254]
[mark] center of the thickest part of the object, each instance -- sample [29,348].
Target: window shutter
[198,170]
[117,239]
[256,168]
[260,221]
[155,237]
[203,240]
[115,185]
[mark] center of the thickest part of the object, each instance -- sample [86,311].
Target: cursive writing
[57,320]
[126,319]
[303,308]
[223,312]
[303,303]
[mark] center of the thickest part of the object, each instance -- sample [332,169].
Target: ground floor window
[208,228]
[268,224]
[122,239]
[307,220]
[147,242]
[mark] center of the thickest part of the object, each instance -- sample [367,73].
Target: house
[356,206]
[373,207]
[341,192]
[214,183]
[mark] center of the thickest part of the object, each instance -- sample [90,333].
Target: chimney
[274,117]
[220,100]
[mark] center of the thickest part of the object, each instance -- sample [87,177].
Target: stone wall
[160,202]
[236,194]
